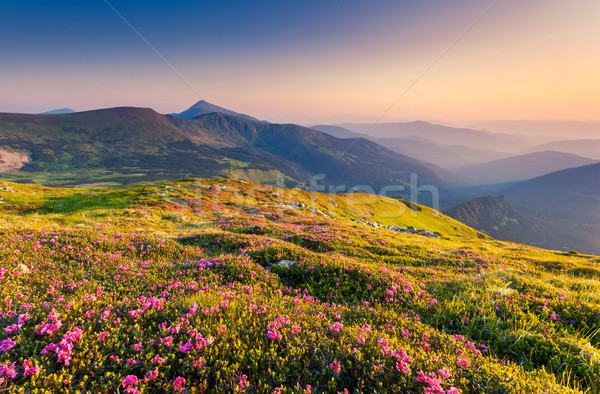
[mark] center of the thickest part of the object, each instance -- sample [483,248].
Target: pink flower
[274,335]
[444,372]
[152,374]
[453,390]
[337,327]
[186,348]
[335,367]
[402,366]
[243,384]
[179,384]
[29,368]
[102,335]
[12,328]
[463,363]
[6,345]
[158,360]
[8,370]
[296,329]
[130,380]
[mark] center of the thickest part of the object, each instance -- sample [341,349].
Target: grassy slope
[535,310]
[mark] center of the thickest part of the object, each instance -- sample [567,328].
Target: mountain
[442,135]
[128,145]
[567,205]
[204,107]
[337,131]
[544,128]
[586,148]
[520,167]
[495,216]
[448,156]
[58,111]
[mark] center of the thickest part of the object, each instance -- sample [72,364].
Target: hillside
[132,145]
[496,217]
[522,167]
[218,285]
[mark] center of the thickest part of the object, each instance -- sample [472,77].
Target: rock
[22,269]
[284,263]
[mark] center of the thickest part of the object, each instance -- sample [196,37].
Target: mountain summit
[204,107]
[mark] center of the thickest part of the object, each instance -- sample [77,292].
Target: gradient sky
[286,60]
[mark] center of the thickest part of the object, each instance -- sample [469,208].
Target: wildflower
[335,367]
[130,380]
[296,329]
[274,335]
[29,369]
[463,363]
[402,366]
[444,372]
[151,374]
[102,335]
[6,345]
[179,384]
[158,360]
[243,384]
[337,327]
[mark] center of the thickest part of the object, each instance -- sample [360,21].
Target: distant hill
[448,156]
[443,135]
[496,217]
[520,167]
[559,190]
[586,148]
[543,128]
[204,107]
[58,111]
[128,145]
[336,131]
[566,203]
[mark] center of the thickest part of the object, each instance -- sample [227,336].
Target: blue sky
[322,58]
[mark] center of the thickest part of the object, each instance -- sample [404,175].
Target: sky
[307,61]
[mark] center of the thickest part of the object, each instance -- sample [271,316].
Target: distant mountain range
[552,129]
[520,167]
[126,145]
[442,135]
[564,207]
[585,148]
[204,107]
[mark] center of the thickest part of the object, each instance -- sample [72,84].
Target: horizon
[452,64]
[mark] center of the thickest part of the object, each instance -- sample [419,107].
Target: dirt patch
[12,161]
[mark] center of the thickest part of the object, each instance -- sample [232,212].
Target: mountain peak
[203,107]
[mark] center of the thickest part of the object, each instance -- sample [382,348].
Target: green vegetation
[180,286]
